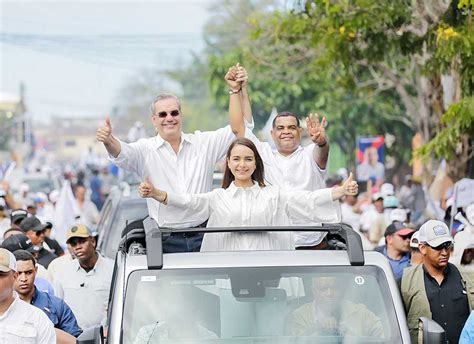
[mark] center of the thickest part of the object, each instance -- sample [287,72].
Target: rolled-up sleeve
[312,206]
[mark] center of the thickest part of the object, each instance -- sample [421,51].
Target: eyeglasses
[444,246]
[173,113]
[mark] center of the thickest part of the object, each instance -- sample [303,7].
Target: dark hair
[286,114]
[24,256]
[257,175]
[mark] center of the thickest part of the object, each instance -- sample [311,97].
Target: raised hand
[146,188]
[316,129]
[350,186]
[242,76]
[104,133]
[231,78]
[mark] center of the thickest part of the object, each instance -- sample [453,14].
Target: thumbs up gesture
[104,133]
[350,186]
[146,188]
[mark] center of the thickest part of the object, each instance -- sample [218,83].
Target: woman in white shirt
[244,200]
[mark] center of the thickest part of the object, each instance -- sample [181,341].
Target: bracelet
[165,199]
[231,91]
[325,143]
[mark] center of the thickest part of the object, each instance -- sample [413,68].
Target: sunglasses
[39,233]
[173,113]
[445,246]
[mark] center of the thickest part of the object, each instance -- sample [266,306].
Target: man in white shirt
[85,281]
[20,322]
[172,160]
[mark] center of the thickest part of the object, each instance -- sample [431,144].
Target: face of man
[436,257]
[378,204]
[82,248]
[326,291]
[80,193]
[286,134]
[25,281]
[400,243]
[167,118]
[37,238]
[7,280]
[373,156]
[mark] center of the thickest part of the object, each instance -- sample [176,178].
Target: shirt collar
[97,263]
[233,189]
[159,141]
[288,156]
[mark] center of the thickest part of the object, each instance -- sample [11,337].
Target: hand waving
[316,129]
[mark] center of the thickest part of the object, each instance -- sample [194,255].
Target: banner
[370,158]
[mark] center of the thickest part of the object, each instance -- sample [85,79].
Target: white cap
[308,239]
[415,239]
[7,260]
[435,233]
[398,214]
[387,189]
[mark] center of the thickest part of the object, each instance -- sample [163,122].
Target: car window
[126,213]
[268,305]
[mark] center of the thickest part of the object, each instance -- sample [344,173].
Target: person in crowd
[55,308]
[291,166]
[371,167]
[11,231]
[436,289]
[34,230]
[52,243]
[97,197]
[4,221]
[467,334]
[57,266]
[21,242]
[172,160]
[16,216]
[416,257]
[374,220]
[20,322]
[87,277]
[330,315]
[22,197]
[397,247]
[108,181]
[244,200]
[7,196]
[88,212]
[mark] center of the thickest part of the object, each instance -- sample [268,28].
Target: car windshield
[264,305]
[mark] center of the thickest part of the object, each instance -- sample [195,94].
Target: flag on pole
[65,213]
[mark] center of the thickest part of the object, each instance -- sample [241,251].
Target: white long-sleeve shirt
[253,206]
[189,171]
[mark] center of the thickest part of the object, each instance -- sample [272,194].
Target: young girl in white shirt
[244,200]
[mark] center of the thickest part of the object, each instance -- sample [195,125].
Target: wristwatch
[231,91]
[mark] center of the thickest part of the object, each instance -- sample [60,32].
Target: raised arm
[317,133]
[104,135]
[242,76]
[236,119]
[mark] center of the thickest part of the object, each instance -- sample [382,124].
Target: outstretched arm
[236,119]
[317,133]
[349,188]
[104,135]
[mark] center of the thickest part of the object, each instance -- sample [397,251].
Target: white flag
[65,213]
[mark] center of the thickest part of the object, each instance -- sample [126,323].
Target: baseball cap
[308,239]
[376,196]
[390,202]
[32,223]
[18,215]
[398,227]
[415,239]
[387,189]
[19,242]
[435,233]
[7,261]
[398,214]
[78,231]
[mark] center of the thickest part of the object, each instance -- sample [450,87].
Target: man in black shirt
[436,289]
[35,231]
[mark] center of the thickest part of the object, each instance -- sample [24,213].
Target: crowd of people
[261,187]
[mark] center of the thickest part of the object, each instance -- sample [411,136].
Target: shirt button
[442,305]
[445,324]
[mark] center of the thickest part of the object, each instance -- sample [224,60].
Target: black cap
[399,228]
[18,215]
[32,223]
[19,242]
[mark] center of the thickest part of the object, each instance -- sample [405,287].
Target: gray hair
[162,97]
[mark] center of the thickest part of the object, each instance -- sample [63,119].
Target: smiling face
[242,164]
[286,134]
[168,126]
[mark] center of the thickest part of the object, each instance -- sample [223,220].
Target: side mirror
[93,335]
[429,332]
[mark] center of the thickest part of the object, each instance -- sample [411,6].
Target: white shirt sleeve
[131,156]
[312,206]
[190,208]
[309,150]
[249,125]
[217,142]
[58,288]
[46,333]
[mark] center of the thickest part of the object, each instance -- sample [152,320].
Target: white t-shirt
[23,323]
[253,206]
[189,171]
[86,293]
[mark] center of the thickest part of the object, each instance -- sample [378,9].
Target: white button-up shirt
[86,293]
[253,206]
[189,171]
[23,323]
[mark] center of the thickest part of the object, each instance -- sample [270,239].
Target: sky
[73,57]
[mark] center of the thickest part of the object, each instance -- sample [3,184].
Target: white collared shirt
[23,323]
[86,293]
[297,171]
[189,171]
[253,206]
